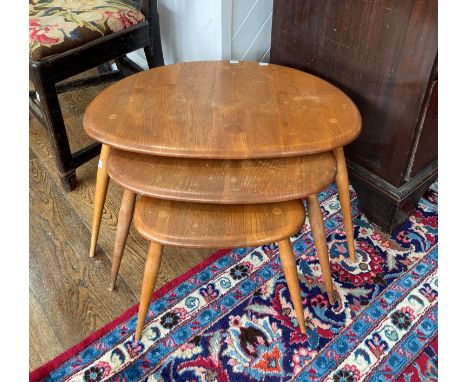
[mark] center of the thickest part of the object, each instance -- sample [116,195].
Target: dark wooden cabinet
[383,54]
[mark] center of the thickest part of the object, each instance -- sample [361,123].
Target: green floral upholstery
[56,26]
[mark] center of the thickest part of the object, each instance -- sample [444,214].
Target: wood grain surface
[213,225]
[69,294]
[222,181]
[218,110]
[43,344]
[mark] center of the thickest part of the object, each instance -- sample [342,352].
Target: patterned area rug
[231,318]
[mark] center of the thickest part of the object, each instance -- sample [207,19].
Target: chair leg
[52,116]
[342,183]
[153,262]
[149,57]
[154,53]
[124,67]
[288,261]
[318,232]
[102,181]
[69,181]
[123,225]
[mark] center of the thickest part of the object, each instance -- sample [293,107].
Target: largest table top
[221,110]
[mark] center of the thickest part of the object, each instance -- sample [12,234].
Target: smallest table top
[219,110]
[217,226]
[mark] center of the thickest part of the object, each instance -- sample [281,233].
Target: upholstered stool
[185,224]
[56,27]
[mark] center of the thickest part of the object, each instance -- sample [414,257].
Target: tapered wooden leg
[153,261]
[342,183]
[123,225]
[318,232]
[102,181]
[288,261]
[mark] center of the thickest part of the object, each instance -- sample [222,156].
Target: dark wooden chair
[66,40]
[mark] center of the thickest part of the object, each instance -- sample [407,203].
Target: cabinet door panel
[381,53]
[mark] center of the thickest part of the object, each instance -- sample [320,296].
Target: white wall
[250,29]
[190,30]
[213,29]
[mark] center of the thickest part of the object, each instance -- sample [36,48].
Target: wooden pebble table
[237,141]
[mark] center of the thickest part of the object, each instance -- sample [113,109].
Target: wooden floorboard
[70,289]
[43,343]
[69,297]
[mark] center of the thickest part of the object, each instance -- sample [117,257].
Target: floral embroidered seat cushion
[56,26]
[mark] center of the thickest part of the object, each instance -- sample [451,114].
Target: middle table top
[223,110]
[222,181]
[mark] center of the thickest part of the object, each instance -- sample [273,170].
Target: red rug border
[42,371]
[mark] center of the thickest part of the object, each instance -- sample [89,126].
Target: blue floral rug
[231,318]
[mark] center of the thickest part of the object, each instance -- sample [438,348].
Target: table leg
[153,262]
[318,232]
[102,181]
[288,261]
[123,225]
[342,183]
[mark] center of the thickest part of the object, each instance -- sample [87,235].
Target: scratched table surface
[223,110]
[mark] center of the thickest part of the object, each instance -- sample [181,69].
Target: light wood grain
[213,225]
[342,184]
[102,182]
[43,344]
[222,181]
[125,219]
[320,240]
[153,262]
[218,110]
[288,262]
[69,294]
